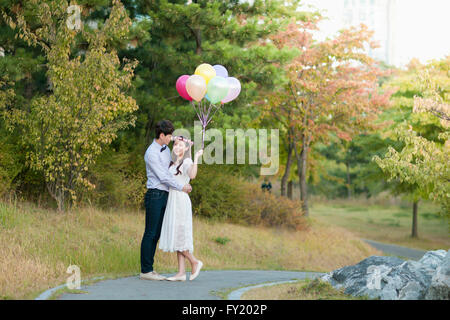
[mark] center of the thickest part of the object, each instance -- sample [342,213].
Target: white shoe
[195,274]
[152,276]
[179,278]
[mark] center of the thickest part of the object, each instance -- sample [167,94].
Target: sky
[422,28]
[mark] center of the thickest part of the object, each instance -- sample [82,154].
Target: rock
[412,291]
[440,282]
[433,258]
[391,278]
[363,278]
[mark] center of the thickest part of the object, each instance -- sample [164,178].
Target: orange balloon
[196,87]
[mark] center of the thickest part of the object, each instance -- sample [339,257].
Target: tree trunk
[303,186]
[414,232]
[289,189]
[287,171]
[198,40]
[57,193]
[302,161]
[349,182]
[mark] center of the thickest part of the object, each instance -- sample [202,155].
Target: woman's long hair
[187,154]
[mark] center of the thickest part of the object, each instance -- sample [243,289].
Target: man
[159,179]
[266,185]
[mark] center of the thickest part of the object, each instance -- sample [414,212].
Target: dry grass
[301,290]
[37,246]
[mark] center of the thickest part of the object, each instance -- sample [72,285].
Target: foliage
[222,240]
[66,130]
[220,196]
[119,179]
[347,166]
[423,161]
[179,36]
[333,88]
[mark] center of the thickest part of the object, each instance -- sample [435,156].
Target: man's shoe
[153,275]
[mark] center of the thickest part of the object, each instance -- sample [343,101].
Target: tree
[22,70]
[8,167]
[333,87]
[183,35]
[65,130]
[423,161]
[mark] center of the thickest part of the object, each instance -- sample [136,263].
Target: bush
[11,162]
[119,181]
[218,195]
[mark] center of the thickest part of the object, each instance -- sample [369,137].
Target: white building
[378,15]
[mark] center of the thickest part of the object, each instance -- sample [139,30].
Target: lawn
[37,245]
[386,223]
[301,290]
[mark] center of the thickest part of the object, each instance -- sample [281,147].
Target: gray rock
[390,278]
[440,282]
[433,258]
[412,291]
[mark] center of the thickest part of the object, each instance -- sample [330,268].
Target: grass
[37,245]
[222,240]
[389,223]
[224,293]
[302,290]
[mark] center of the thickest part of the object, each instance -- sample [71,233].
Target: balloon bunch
[211,83]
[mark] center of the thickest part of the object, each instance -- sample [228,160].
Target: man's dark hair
[164,126]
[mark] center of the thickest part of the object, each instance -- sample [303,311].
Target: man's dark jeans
[155,205]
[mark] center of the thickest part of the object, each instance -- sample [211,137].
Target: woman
[176,230]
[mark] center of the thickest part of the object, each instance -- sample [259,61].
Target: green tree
[65,130]
[182,35]
[349,165]
[332,87]
[422,164]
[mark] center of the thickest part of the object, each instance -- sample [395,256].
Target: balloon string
[195,109]
[217,108]
[209,110]
[204,112]
[203,115]
[204,108]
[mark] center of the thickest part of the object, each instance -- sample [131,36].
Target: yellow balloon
[206,71]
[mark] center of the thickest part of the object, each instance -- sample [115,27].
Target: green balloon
[217,89]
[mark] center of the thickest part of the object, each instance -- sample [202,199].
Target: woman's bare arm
[192,172]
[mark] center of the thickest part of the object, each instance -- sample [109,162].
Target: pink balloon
[181,87]
[234,89]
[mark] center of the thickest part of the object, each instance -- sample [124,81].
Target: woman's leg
[181,264]
[193,260]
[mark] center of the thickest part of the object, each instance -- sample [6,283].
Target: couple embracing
[168,209]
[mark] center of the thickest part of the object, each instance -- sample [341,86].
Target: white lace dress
[176,230]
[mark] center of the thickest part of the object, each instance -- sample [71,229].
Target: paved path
[202,288]
[132,288]
[396,250]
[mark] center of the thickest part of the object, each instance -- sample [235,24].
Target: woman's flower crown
[182,139]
